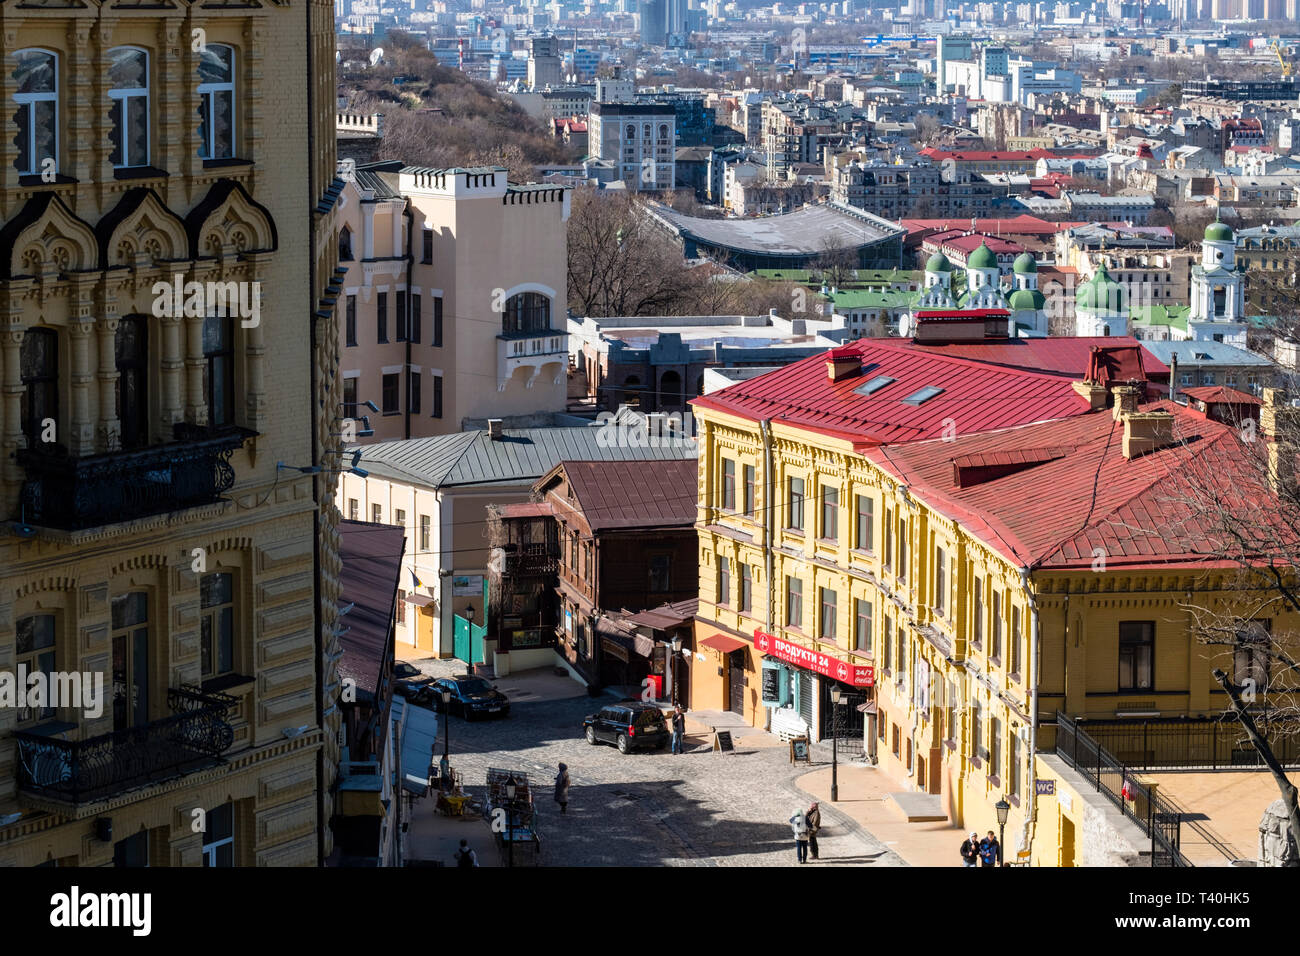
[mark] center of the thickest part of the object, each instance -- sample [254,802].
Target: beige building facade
[154,555]
[454,299]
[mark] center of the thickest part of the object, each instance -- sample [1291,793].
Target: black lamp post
[835,741]
[511,789]
[1003,809]
[446,739]
[677,659]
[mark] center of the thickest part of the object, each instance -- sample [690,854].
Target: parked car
[470,697]
[630,725]
[412,683]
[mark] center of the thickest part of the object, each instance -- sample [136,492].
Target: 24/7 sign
[859,675]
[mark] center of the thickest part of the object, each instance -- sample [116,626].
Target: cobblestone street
[656,808]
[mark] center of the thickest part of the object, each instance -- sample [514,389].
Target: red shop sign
[859,675]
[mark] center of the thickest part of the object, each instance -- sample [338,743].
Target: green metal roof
[982,258]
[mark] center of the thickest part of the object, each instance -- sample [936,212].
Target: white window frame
[28,101]
[120,98]
[207,90]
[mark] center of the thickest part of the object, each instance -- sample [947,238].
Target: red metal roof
[964,241]
[1022,225]
[1220,394]
[1067,356]
[975,396]
[1063,511]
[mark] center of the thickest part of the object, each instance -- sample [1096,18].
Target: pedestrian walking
[814,820]
[562,787]
[799,824]
[970,850]
[465,856]
[989,850]
[679,729]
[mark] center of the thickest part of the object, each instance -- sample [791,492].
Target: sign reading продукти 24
[859,675]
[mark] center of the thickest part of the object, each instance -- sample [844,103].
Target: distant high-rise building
[652,19]
[545,67]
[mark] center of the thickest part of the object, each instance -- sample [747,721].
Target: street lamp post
[835,741]
[444,768]
[1003,810]
[511,789]
[672,673]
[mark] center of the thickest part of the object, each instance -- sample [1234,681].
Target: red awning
[721,642]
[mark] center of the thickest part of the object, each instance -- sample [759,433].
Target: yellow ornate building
[151,541]
[965,552]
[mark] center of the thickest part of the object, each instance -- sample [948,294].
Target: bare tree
[1233,500]
[835,263]
[619,263]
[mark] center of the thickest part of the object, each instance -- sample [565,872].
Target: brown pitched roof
[634,494]
[371,556]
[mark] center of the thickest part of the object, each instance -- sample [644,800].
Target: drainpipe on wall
[1031,794]
[410,259]
[769,517]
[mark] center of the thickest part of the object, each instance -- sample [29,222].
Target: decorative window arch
[526,312]
[36,84]
[345,244]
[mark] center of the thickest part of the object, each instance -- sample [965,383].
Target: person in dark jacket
[562,787]
[679,729]
[970,850]
[990,851]
[813,818]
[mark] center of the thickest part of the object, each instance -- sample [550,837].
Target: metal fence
[1181,743]
[1158,818]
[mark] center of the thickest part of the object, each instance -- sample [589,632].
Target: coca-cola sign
[859,675]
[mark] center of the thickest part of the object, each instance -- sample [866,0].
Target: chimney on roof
[496,429]
[1126,400]
[843,363]
[1095,393]
[1147,432]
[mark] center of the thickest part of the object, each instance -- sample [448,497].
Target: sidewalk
[432,836]
[864,797]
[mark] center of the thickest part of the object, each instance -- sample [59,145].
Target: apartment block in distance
[151,546]
[454,299]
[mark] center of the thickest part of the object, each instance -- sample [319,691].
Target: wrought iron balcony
[531,559]
[75,772]
[75,493]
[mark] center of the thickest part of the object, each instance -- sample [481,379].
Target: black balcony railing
[193,737]
[531,559]
[1158,818]
[74,493]
[1189,743]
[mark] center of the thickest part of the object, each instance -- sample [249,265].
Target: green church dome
[938,263]
[1218,232]
[1101,293]
[982,258]
[1025,263]
[1027,300]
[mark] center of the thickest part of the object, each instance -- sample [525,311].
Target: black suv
[470,697]
[630,725]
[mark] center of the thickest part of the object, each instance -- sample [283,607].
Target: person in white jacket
[800,827]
